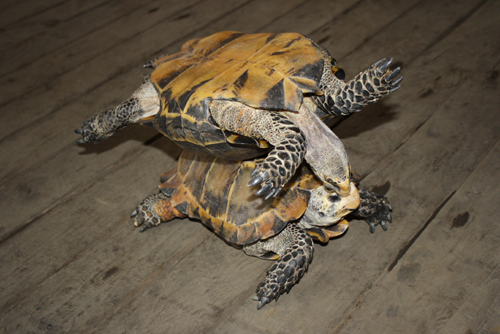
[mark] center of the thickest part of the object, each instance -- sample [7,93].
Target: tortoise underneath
[281,228]
[239,96]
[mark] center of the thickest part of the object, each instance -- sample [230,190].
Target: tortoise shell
[215,191]
[265,71]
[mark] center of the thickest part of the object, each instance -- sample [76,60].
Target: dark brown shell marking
[266,71]
[216,193]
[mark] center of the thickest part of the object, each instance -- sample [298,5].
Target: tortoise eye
[330,188]
[338,72]
[334,198]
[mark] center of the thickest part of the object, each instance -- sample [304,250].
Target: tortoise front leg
[143,103]
[295,249]
[288,141]
[366,88]
[375,209]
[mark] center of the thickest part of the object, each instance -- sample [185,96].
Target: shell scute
[269,71]
[216,192]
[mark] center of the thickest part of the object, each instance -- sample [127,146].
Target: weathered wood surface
[72,262]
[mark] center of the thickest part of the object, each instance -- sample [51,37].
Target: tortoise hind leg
[154,210]
[295,249]
[143,103]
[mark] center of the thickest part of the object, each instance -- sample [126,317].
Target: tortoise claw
[374,209]
[383,224]
[268,188]
[385,65]
[263,301]
[397,82]
[144,228]
[264,190]
[378,63]
[145,214]
[255,181]
[372,227]
[272,193]
[393,74]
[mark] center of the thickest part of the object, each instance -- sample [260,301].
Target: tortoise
[281,228]
[240,96]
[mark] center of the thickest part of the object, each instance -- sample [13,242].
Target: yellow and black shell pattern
[215,191]
[265,71]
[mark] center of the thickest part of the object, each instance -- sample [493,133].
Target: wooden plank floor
[72,261]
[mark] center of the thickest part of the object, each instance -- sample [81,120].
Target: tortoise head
[338,181]
[325,208]
[325,152]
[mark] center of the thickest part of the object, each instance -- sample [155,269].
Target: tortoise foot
[90,132]
[382,78]
[288,269]
[375,209]
[145,215]
[367,88]
[278,167]
[99,128]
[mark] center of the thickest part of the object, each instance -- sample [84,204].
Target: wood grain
[72,261]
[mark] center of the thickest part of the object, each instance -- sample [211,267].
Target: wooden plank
[101,49]
[481,311]
[141,308]
[27,284]
[359,258]
[190,297]
[68,231]
[57,27]
[455,262]
[307,297]
[15,11]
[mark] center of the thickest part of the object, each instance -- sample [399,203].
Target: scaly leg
[288,141]
[295,249]
[366,88]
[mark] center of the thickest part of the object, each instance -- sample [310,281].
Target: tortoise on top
[234,95]
[280,228]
